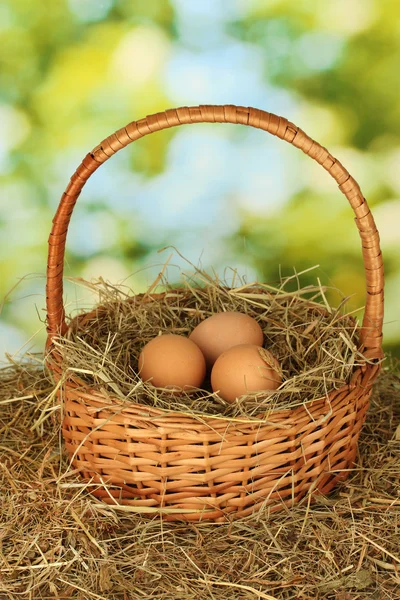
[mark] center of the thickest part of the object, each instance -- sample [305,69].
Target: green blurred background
[74,71]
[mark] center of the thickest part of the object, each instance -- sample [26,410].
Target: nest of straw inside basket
[317,346]
[56,541]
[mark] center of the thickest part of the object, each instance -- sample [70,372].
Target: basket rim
[74,383]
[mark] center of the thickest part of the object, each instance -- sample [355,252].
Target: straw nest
[57,542]
[316,345]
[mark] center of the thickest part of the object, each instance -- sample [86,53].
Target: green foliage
[73,72]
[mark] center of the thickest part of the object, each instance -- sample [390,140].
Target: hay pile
[57,542]
[315,344]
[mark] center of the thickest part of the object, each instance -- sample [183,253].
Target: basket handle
[371,330]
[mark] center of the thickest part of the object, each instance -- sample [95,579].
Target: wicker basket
[192,469]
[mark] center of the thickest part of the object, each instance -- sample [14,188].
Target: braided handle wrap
[371,331]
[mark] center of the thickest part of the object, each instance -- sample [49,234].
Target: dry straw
[57,542]
[316,345]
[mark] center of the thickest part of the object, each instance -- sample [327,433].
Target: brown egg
[223,330]
[172,361]
[243,370]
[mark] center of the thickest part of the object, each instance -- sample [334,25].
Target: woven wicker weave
[211,468]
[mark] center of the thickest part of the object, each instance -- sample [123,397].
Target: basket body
[206,468]
[210,468]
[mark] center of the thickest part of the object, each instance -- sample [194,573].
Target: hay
[58,542]
[315,344]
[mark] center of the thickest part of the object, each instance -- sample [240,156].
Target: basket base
[267,506]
